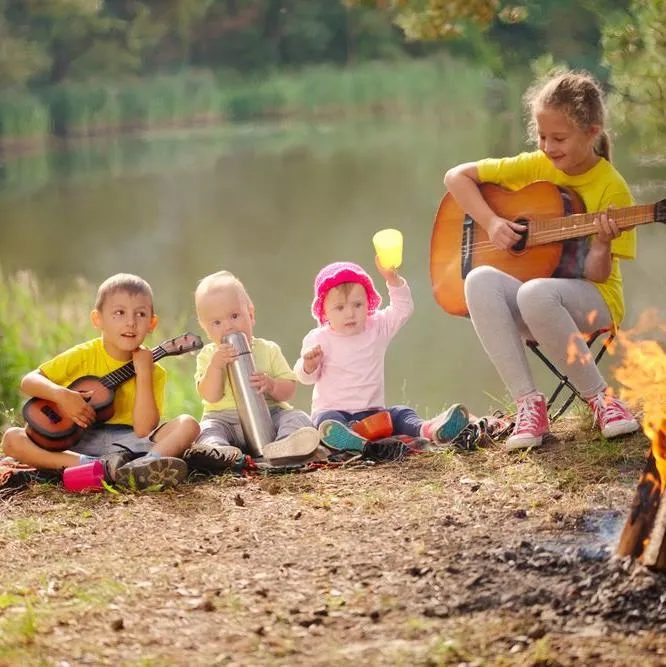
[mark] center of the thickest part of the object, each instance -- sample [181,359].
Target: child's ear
[153,323]
[594,131]
[96,318]
[250,308]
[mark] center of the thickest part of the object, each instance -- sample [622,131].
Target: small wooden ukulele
[47,425]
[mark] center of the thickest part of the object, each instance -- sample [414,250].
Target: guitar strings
[554,235]
[127,371]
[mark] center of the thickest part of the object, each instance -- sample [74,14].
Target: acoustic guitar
[550,214]
[49,427]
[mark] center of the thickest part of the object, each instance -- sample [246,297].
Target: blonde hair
[578,96]
[343,288]
[219,281]
[122,282]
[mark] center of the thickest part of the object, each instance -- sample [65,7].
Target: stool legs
[563,380]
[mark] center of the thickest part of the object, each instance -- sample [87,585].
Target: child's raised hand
[223,355]
[142,358]
[263,383]
[312,359]
[391,276]
[75,405]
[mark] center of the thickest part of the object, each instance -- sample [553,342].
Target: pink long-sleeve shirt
[351,375]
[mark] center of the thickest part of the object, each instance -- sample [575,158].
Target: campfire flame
[642,377]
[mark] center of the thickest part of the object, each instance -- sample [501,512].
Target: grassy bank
[443,86]
[35,325]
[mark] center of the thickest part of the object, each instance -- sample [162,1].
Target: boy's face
[347,312]
[124,321]
[225,310]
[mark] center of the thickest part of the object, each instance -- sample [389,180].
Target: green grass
[442,87]
[23,117]
[37,324]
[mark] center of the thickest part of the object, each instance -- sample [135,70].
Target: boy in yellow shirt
[134,449]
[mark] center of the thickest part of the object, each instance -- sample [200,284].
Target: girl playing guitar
[585,293]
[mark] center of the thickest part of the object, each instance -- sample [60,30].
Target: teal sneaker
[339,437]
[448,425]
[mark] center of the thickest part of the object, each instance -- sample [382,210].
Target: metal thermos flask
[255,417]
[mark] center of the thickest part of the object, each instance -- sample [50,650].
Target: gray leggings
[552,311]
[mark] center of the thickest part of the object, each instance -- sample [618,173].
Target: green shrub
[23,116]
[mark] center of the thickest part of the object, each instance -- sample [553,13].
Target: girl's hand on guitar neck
[607,229]
[503,233]
[598,263]
[75,405]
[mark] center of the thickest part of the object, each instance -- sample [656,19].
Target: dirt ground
[484,558]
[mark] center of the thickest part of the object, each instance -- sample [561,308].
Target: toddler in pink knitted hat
[343,358]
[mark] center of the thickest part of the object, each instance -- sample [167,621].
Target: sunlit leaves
[635,52]
[438,19]
[20,59]
[63,8]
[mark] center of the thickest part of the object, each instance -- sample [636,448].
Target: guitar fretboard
[549,230]
[127,372]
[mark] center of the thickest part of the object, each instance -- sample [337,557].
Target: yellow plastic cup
[388,246]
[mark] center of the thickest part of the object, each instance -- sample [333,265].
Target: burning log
[644,532]
[643,376]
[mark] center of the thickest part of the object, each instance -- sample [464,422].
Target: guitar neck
[127,372]
[551,230]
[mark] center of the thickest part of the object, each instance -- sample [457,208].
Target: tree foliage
[635,51]
[56,41]
[436,19]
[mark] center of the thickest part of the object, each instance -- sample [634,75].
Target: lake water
[274,204]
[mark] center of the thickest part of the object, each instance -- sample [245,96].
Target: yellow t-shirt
[90,358]
[600,187]
[268,359]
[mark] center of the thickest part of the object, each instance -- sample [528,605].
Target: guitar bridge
[466,246]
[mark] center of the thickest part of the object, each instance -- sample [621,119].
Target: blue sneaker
[446,426]
[340,438]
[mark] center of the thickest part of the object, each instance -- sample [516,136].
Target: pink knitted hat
[335,274]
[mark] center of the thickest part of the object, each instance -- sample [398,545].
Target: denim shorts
[106,438]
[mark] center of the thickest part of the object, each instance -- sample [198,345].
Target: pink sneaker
[531,423]
[612,415]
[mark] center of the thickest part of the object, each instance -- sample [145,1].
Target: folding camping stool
[607,334]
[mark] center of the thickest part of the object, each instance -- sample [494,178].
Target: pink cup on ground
[86,477]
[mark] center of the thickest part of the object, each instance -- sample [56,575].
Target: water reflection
[273,204]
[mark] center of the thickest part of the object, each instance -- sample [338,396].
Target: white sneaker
[295,448]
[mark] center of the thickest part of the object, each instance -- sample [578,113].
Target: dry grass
[394,564]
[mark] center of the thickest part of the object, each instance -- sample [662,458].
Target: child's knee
[12,441]
[534,300]
[478,279]
[188,426]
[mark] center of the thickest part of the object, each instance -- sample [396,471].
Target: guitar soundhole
[51,414]
[522,244]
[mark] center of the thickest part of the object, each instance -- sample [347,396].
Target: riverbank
[485,558]
[31,121]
